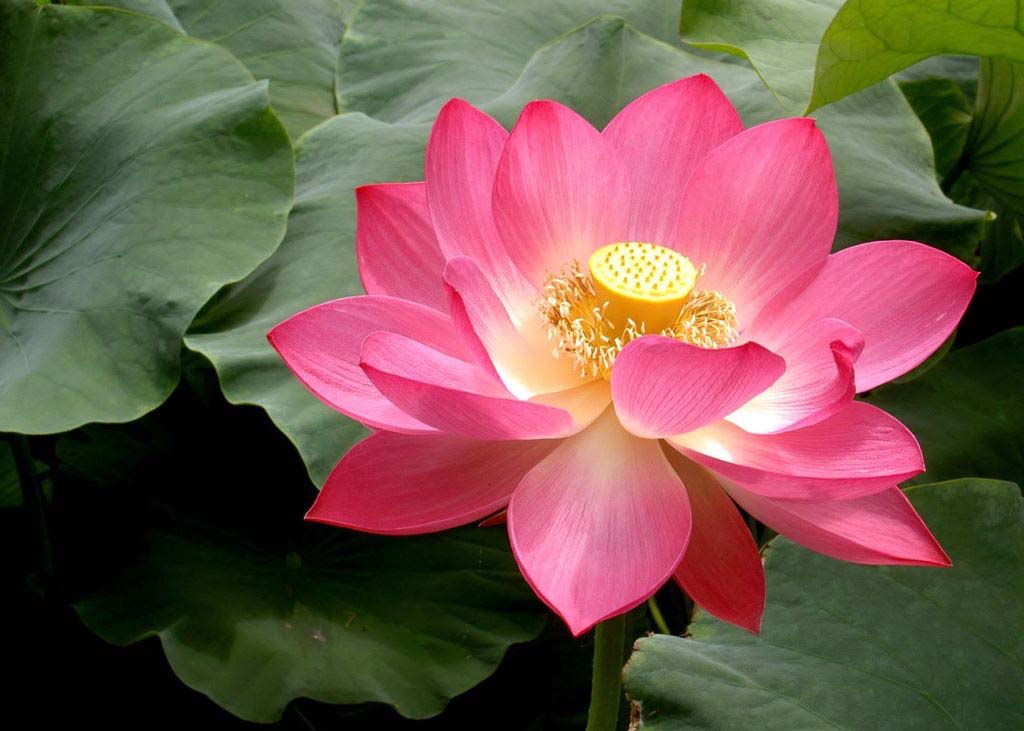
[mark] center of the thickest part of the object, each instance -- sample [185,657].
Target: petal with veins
[599,524]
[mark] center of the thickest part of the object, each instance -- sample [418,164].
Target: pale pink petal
[462,157]
[521,356]
[662,386]
[452,395]
[759,210]
[399,484]
[721,569]
[858,451]
[905,298]
[817,383]
[599,524]
[560,191]
[876,529]
[661,136]
[321,346]
[395,245]
[585,403]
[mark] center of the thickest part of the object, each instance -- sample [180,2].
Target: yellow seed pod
[642,282]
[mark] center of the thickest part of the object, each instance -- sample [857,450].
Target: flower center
[631,289]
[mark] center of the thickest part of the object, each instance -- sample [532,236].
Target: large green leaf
[942,106]
[863,647]
[402,59]
[882,155]
[192,531]
[293,44]
[979,145]
[140,171]
[868,40]
[994,158]
[967,411]
[316,262]
[778,37]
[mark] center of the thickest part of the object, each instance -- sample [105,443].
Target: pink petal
[759,210]
[452,395]
[721,569]
[585,403]
[817,383]
[661,136]
[462,157]
[599,524]
[662,386]
[395,245]
[520,356]
[858,451]
[398,484]
[321,346]
[906,298]
[560,191]
[499,518]
[876,529]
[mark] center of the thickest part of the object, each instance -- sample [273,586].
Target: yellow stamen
[632,289]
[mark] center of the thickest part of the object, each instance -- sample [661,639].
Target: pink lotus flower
[617,335]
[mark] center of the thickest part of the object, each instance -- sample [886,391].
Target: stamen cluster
[578,324]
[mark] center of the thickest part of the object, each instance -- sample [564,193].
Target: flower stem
[606,686]
[658,617]
[33,499]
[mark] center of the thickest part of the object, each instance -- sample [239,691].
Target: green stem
[606,687]
[658,617]
[33,498]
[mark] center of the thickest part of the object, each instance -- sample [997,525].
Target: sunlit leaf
[868,40]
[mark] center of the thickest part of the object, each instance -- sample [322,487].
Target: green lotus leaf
[967,411]
[869,40]
[188,526]
[140,171]
[862,647]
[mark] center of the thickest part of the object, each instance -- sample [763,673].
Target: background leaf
[778,37]
[993,163]
[195,534]
[849,646]
[140,171]
[868,40]
[967,411]
[402,59]
[293,44]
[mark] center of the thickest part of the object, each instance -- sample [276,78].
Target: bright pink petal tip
[396,484]
[395,244]
[600,524]
[321,346]
[772,184]
[461,160]
[560,191]
[661,137]
[904,297]
[721,569]
[879,529]
[662,387]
